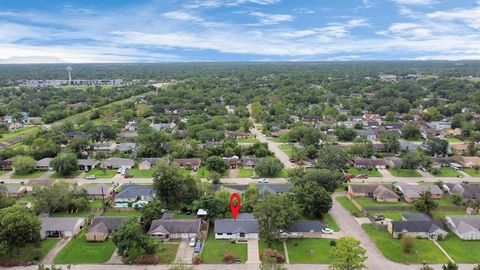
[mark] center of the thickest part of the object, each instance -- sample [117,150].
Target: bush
[229,258]
[333,243]
[273,254]
[435,171]
[408,243]
[36,254]
[147,260]
[426,267]
[197,260]
[457,199]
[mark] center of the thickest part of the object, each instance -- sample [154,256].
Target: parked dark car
[379,217]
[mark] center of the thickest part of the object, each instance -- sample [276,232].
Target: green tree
[408,243]
[456,199]
[316,201]
[19,226]
[411,132]
[77,145]
[332,158]
[425,202]
[61,196]
[268,167]
[216,164]
[41,148]
[345,134]
[174,188]
[328,179]
[412,160]
[350,255]
[275,213]
[23,165]
[212,205]
[392,145]
[436,146]
[129,237]
[65,163]
[250,198]
[153,210]
[363,149]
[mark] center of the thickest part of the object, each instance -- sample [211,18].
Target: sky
[97,31]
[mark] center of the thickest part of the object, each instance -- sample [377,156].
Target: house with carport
[243,228]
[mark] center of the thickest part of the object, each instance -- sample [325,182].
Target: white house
[465,227]
[61,227]
[244,228]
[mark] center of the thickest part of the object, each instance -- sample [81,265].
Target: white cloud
[182,16]
[415,2]
[470,16]
[269,19]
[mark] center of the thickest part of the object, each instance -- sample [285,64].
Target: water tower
[69,69]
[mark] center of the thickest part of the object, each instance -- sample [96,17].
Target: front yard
[79,251]
[282,174]
[137,173]
[370,202]
[247,140]
[214,250]
[461,251]
[472,172]
[245,173]
[35,174]
[369,173]
[262,246]
[167,251]
[56,175]
[310,251]
[26,252]
[425,250]
[99,173]
[445,172]
[404,172]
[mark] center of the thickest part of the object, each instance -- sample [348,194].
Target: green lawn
[472,172]
[262,246]
[2,173]
[95,203]
[167,251]
[282,174]
[35,174]
[331,222]
[122,214]
[182,216]
[310,251]
[99,173]
[247,140]
[446,172]
[440,214]
[214,250]
[281,139]
[404,172]
[137,173]
[27,251]
[425,250]
[453,139]
[369,202]
[56,175]
[21,131]
[345,202]
[393,215]
[289,150]
[78,250]
[370,173]
[186,172]
[445,201]
[461,251]
[245,173]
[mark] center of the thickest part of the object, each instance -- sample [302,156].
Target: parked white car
[263,181]
[91,177]
[192,242]
[327,231]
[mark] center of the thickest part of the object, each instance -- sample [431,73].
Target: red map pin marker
[235,208]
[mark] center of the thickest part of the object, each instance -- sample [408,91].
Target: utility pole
[103,199]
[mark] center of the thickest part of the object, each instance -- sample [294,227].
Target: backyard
[99,173]
[404,172]
[369,173]
[79,251]
[122,214]
[310,250]
[424,251]
[214,250]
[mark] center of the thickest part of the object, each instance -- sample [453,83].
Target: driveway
[184,252]
[55,250]
[253,256]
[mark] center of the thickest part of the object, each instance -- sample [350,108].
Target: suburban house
[39,183]
[418,225]
[87,164]
[411,192]
[471,162]
[188,163]
[6,164]
[380,193]
[438,162]
[465,227]
[304,229]
[232,162]
[249,163]
[135,192]
[149,163]
[168,228]
[245,227]
[236,134]
[368,117]
[98,191]
[365,163]
[105,147]
[44,164]
[394,162]
[126,147]
[115,163]
[14,190]
[162,126]
[101,227]
[467,191]
[61,227]
[369,134]
[273,188]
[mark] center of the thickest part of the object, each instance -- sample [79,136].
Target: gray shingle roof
[245,223]
[417,226]
[416,217]
[133,191]
[95,190]
[111,223]
[306,226]
[464,223]
[59,224]
[168,226]
[273,188]
[414,191]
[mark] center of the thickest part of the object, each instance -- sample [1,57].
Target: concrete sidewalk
[55,250]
